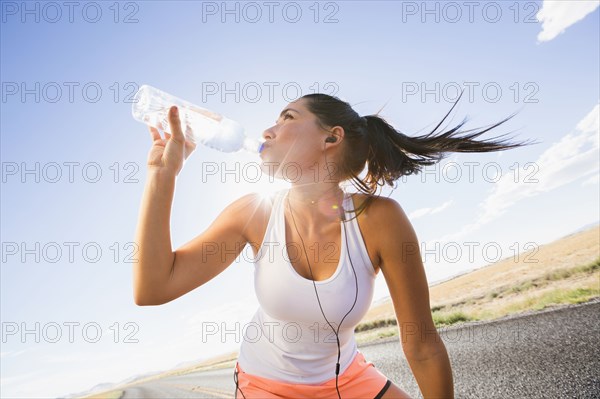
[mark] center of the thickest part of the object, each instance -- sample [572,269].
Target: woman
[305,345]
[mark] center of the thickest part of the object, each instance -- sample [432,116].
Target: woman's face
[294,144]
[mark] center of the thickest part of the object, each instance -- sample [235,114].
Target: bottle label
[207,113]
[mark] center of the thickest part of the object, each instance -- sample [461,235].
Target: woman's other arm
[405,277]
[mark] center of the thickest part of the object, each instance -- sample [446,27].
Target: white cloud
[8,354]
[591,181]
[428,211]
[591,124]
[574,157]
[556,16]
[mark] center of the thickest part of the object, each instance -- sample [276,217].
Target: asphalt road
[554,353]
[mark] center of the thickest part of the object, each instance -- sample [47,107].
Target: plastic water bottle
[151,106]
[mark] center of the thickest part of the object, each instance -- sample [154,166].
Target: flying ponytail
[388,153]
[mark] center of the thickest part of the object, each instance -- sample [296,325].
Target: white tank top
[288,339]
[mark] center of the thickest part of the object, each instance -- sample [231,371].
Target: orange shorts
[360,380]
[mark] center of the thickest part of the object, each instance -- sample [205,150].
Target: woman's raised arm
[161,274]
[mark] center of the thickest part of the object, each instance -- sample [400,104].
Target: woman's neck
[310,194]
[315,204]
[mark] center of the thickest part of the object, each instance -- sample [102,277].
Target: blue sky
[67,224]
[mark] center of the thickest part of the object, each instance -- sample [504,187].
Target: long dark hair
[388,153]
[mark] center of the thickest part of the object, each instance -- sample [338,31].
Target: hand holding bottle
[168,154]
[151,105]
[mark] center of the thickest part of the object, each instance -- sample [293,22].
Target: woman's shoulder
[375,205]
[257,206]
[254,202]
[250,214]
[378,214]
[377,220]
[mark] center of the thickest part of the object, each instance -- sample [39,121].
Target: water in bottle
[151,106]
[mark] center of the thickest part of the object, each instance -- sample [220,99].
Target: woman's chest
[317,254]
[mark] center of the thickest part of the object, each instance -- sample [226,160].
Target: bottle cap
[253,145]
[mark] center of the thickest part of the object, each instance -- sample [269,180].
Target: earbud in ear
[331,139]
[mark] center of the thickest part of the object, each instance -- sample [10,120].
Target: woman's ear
[338,133]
